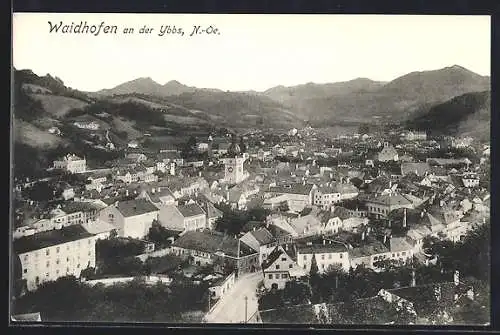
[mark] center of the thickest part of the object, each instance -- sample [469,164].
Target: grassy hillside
[238,109]
[58,106]
[28,134]
[468,114]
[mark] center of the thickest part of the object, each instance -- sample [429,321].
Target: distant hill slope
[237,109]
[465,115]
[147,86]
[298,97]
[358,100]
[396,100]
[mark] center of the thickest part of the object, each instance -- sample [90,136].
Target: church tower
[233,165]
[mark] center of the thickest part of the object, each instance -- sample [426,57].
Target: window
[404,253]
[25,271]
[283,259]
[393,255]
[305,257]
[57,262]
[89,241]
[90,253]
[67,270]
[323,257]
[329,256]
[25,258]
[290,266]
[67,247]
[48,263]
[277,266]
[277,276]
[57,272]
[47,274]
[340,255]
[78,266]
[284,276]
[47,252]
[270,276]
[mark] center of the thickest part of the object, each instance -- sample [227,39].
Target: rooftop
[294,188]
[212,243]
[50,238]
[135,207]
[190,210]
[328,247]
[373,248]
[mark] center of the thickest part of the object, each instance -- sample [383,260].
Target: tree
[159,235]
[283,207]
[314,280]
[88,273]
[243,146]
[364,128]
[297,293]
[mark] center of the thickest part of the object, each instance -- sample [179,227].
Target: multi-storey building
[71,163]
[49,255]
[327,255]
[132,218]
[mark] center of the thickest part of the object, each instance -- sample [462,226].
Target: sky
[250,52]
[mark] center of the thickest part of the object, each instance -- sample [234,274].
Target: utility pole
[209,298]
[246,308]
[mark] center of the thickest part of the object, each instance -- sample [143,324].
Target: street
[231,308]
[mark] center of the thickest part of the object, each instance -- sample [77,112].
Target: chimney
[385,239]
[437,293]
[324,242]
[441,203]
[286,247]
[126,192]
[404,218]
[336,282]
[303,182]
[253,228]
[413,280]
[363,236]
[116,204]
[456,278]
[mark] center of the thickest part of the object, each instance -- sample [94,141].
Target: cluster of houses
[341,215]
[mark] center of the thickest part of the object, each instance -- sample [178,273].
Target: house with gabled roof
[183,218]
[328,254]
[379,206]
[260,240]
[132,218]
[157,195]
[281,267]
[300,195]
[209,247]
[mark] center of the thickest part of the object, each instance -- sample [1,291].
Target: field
[58,106]
[27,133]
